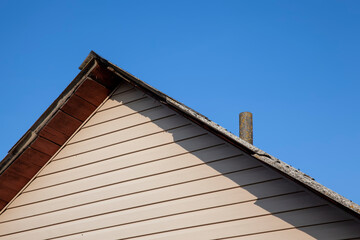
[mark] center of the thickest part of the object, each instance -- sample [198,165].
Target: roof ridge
[101,69]
[254,151]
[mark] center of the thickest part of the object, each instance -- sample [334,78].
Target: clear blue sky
[294,64]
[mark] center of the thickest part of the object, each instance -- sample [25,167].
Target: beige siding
[328,231]
[138,170]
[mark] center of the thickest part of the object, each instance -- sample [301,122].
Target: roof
[96,80]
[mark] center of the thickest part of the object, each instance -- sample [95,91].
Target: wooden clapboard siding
[137,169]
[166,210]
[154,113]
[144,166]
[141,184]
[152,150]
[180,132]
[262,188]
[328,231]
[134,107]
[245,220]
[167,169]
[126,97]
[211,199]
[125,86]
[130,134]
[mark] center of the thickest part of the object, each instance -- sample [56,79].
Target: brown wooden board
[93,92]
[104,76]
[64,123]
[11,179]
[53,135]
[3,203]
[35,157]
[78,108]
[25,168]
[45,146]
[6,193]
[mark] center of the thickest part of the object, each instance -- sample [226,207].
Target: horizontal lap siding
[155,113]
[263,187]
[139,106]
[145,166]
[179,212]
[124,87]
[126,97]
[247,218]
[137,169]
[327,231]
[126,135]
[151,152]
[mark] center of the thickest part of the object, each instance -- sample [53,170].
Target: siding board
[143,166]
[150,151]
[135,185]
[121,99]
[244,221]
[118,148]
[129,174]
[330,231]
[123,87]
[168,123]
[326,231]
[121,123]
[123,110]
[155,175]
[262,187]
[94,217]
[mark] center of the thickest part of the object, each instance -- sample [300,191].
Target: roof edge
[253,150]
[31,134]
[257,153]
[88,59]
[273,161]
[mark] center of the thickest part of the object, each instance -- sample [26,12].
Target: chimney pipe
[246,127]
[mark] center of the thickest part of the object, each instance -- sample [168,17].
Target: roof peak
[96,69]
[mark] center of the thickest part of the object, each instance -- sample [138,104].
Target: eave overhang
[54,127]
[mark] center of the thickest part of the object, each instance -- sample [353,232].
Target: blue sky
[294,64]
